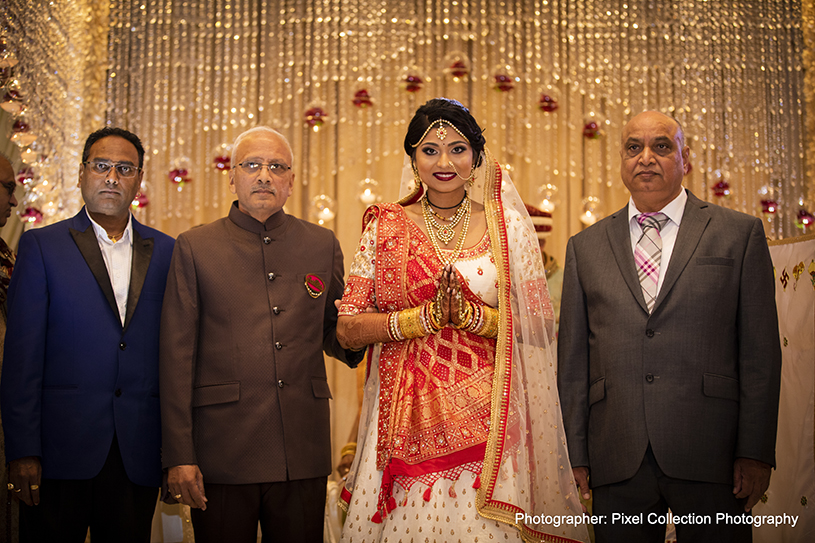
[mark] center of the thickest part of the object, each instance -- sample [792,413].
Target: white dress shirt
[674,211]
[118,257]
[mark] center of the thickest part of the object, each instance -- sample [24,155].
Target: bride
[460,435]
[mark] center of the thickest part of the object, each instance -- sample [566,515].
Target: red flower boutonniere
[314,285]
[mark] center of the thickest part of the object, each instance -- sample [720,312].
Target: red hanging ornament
[804,219]
[315,117]
[412,83]
[362,99]
[591,130]
[179,176]
[721,189]
[503,82]
[548,103]
[31,215]
[21,133]
[25,175]
[459,69]
[222,162]
[141,200]
[769,207]
[458,65]
[222,157]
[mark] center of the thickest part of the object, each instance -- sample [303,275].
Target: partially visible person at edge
[248,313]
[80,373]
[9,511]
[460,435]
[669,360]
[542,221]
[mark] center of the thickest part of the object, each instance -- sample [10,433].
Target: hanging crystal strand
[796,110]
[611,105]
[118,79]
[262,42]
[790,83]
[199,156]
[176,146]
[733,115]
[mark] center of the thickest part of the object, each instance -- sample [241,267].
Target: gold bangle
[433,315]
[490,327]
[465,318]
[349,448]
[410,323]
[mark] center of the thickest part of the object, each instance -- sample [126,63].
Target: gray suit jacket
[698,378]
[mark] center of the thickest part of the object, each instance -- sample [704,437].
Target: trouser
[641,505]
[287,511]
[115,509]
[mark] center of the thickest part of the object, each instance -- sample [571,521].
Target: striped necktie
[648,254]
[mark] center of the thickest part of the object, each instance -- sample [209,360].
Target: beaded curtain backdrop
[552,81]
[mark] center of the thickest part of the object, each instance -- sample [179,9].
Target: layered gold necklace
[446,232]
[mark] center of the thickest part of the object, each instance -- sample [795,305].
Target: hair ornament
[441,131]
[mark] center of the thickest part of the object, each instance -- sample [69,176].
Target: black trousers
[641,503]
[115,509]
[288,512]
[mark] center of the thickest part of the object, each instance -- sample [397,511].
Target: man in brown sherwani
[248,311]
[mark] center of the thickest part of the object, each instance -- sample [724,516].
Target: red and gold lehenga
[460,435]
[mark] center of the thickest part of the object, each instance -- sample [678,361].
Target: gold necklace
[446,231]
[430,222]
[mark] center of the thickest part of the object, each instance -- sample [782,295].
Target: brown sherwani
[244,393]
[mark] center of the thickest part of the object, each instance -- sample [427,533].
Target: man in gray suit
[669,356]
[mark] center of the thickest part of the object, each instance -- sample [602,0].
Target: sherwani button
[649,377]
[118,392]
[271,276]
[276,310]
[280,383]
[649,333]
[122,346]
[267,240]
[278,345]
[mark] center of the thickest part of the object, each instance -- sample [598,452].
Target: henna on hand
[362,330]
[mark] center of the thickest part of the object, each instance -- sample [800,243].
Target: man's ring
[177,496]
[18,490]
[34,487]
[11,486]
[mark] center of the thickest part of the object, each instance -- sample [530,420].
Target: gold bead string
[429,220]
[446,232]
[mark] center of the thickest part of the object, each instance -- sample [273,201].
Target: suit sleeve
[24,358]
[331,346]
[573,361]
[178,351]
[759,352]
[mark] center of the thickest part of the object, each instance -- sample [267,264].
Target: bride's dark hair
[451,111]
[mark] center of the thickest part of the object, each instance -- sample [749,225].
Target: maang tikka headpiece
[441,131]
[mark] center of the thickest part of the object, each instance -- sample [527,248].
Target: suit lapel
[89,247]
[142,252]
[694,222]
[619,237]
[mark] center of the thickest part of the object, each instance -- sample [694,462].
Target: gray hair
[258,129]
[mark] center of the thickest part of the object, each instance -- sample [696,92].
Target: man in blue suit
[80,374]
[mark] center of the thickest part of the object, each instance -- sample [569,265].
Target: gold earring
[416,176]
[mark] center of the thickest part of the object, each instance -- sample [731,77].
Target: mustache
[266,187]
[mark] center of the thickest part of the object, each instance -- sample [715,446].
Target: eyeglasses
[254,168]
[102,168]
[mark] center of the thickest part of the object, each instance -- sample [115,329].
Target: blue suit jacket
[72,374]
